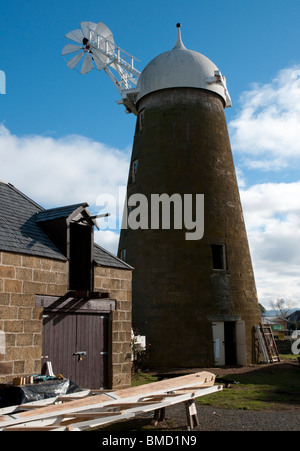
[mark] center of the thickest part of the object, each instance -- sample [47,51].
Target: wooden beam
[90,414]
[192,414]
[30,428]
[99,304]
[79,417]
[159,416]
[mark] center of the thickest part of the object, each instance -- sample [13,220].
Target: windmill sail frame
[99,50]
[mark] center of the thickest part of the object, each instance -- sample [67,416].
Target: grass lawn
[260,387]
[267,387]
[143,378]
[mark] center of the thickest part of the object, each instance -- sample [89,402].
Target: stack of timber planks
[92,410]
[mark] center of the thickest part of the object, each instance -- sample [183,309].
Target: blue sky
[57,126]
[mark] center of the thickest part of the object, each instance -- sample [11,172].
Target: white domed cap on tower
[184,68]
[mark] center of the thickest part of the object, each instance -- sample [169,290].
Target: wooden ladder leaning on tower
[267,343]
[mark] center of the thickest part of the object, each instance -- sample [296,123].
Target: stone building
[63,298]
[194,293]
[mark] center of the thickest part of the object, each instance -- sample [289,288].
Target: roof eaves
[111,261]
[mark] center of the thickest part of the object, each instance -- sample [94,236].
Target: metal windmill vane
[95,48]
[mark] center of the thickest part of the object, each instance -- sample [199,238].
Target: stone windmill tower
[194,294]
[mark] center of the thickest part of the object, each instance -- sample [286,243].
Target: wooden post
[192,414]
[159,415]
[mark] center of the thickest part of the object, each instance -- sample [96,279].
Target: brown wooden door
[92,337]
[77,346]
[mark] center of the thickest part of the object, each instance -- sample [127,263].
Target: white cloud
[266,129]
[56,172]
[272,216]
[265,136]
[108,239]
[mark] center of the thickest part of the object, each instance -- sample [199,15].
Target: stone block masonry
[22,277]
[118,283]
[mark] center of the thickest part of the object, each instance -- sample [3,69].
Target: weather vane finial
[179,44]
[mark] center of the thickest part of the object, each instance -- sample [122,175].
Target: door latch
[80,355]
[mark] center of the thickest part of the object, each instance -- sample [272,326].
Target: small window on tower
[141,119]
[219,256]
[123,255]
[133,171]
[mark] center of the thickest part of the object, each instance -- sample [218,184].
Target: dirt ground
[212,419]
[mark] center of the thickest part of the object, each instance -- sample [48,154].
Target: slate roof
[58,213]
[295,316]
[104,258]
[20,231]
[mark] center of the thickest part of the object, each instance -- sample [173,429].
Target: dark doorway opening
[219,256]
[230,343]
[80,257]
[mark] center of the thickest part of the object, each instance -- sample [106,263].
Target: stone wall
[21,279]
[118,283]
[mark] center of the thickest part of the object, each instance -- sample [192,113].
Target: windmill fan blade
[97,56]
[87,64]
[104,31]
[87,27]
[74,61]
[69,48]
[76,36]
[100,55]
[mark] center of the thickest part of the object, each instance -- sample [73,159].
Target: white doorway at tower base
[229,340]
